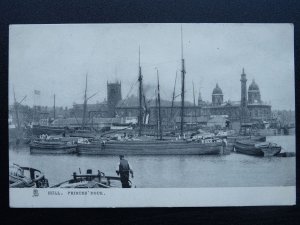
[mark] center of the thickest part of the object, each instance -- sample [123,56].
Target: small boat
[53,146]
[250,147]
[25,177]
[90,180]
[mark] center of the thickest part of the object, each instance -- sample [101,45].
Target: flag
[36,92]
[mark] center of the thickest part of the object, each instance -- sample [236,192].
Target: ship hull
[252,148]
[150,148]
[231,140]
[52,149]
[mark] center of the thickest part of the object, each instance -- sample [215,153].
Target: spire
[243,71]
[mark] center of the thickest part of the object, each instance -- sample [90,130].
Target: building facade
[249,109]
[114,95]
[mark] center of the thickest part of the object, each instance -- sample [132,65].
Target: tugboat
[90,180]
[26,177]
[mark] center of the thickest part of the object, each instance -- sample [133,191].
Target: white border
[152,197]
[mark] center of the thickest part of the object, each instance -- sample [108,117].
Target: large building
[114,95]
[249,109]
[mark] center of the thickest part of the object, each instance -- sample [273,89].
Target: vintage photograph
[150,106]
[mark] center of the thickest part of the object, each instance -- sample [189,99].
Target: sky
[54,59]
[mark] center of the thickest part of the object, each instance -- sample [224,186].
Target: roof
[217,90]
[78,121]
[253,86]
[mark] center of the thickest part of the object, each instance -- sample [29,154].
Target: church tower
[114,95]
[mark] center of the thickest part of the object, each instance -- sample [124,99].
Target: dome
[217,90]
[253,86]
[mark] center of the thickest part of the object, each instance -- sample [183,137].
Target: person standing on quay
[123,170]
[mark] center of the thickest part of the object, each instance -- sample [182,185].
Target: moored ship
[159,146]
[53,146]
[24,177]
[90,180]
[250,147]
[152,147]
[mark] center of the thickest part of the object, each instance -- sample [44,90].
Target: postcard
[151,115]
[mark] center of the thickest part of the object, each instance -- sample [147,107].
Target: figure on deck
[123,170]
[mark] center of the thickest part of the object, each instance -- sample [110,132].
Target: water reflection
[234,170]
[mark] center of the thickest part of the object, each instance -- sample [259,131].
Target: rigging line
[131,88]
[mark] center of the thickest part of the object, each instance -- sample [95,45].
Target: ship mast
[182,86]
[173,97]
[84,104]
[16,106]
[194,104]
[140,79]
[17,113]
[54,108]
[156,112]
[159,111]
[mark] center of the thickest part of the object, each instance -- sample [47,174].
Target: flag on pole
[36,92]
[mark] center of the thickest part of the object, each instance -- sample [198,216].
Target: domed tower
[217,95]
[253,93]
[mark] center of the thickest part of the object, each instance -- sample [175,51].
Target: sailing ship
[150,146]
[17,133]
[83,130]
[51,129]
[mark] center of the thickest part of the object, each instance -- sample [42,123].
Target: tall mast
[194,103]
[159,111]
[84,103]
[156,112]
[140,79]
[173,97]
[54,108]
[17,112]
[146,109]
[182,87]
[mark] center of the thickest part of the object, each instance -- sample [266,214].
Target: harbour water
[234,170]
